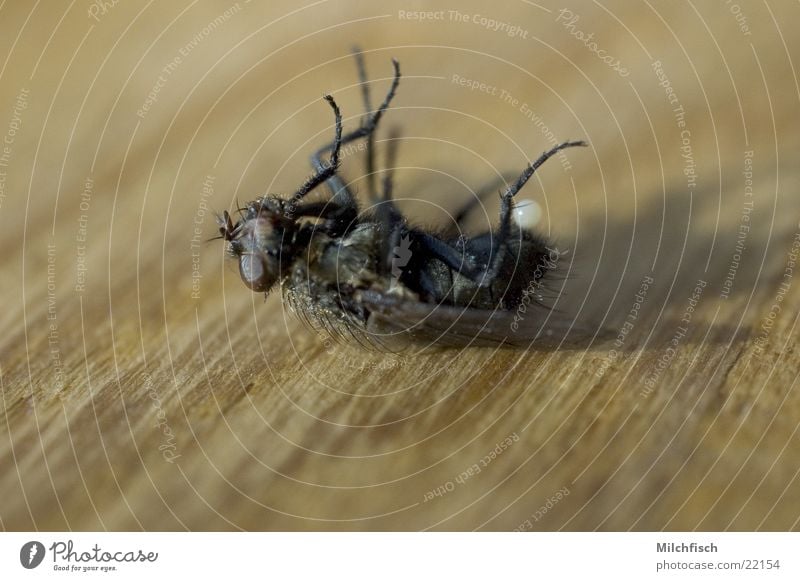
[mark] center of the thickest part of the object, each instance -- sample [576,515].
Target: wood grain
[136,395]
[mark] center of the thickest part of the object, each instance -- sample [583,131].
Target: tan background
[269,426]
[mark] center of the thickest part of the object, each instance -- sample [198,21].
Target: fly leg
[326,170]
[391,247]
[370,140]
[462,213]
[507,206]
[484,275]
[389,218]
[342,194]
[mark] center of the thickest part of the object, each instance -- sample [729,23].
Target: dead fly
[375,277]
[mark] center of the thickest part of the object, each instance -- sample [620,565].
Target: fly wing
[396,318]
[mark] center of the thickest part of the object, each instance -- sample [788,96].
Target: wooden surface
[136,395]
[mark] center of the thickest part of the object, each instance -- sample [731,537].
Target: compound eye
[255,272]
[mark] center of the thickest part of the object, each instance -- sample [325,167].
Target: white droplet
[527,214]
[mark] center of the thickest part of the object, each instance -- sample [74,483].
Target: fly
[375,277]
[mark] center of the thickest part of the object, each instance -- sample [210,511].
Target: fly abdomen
[527,261]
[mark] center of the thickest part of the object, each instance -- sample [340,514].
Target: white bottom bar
[355,556]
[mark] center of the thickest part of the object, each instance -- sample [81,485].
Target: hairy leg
[367,128]
[484,275]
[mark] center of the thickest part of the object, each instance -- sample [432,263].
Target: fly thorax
[345,261]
